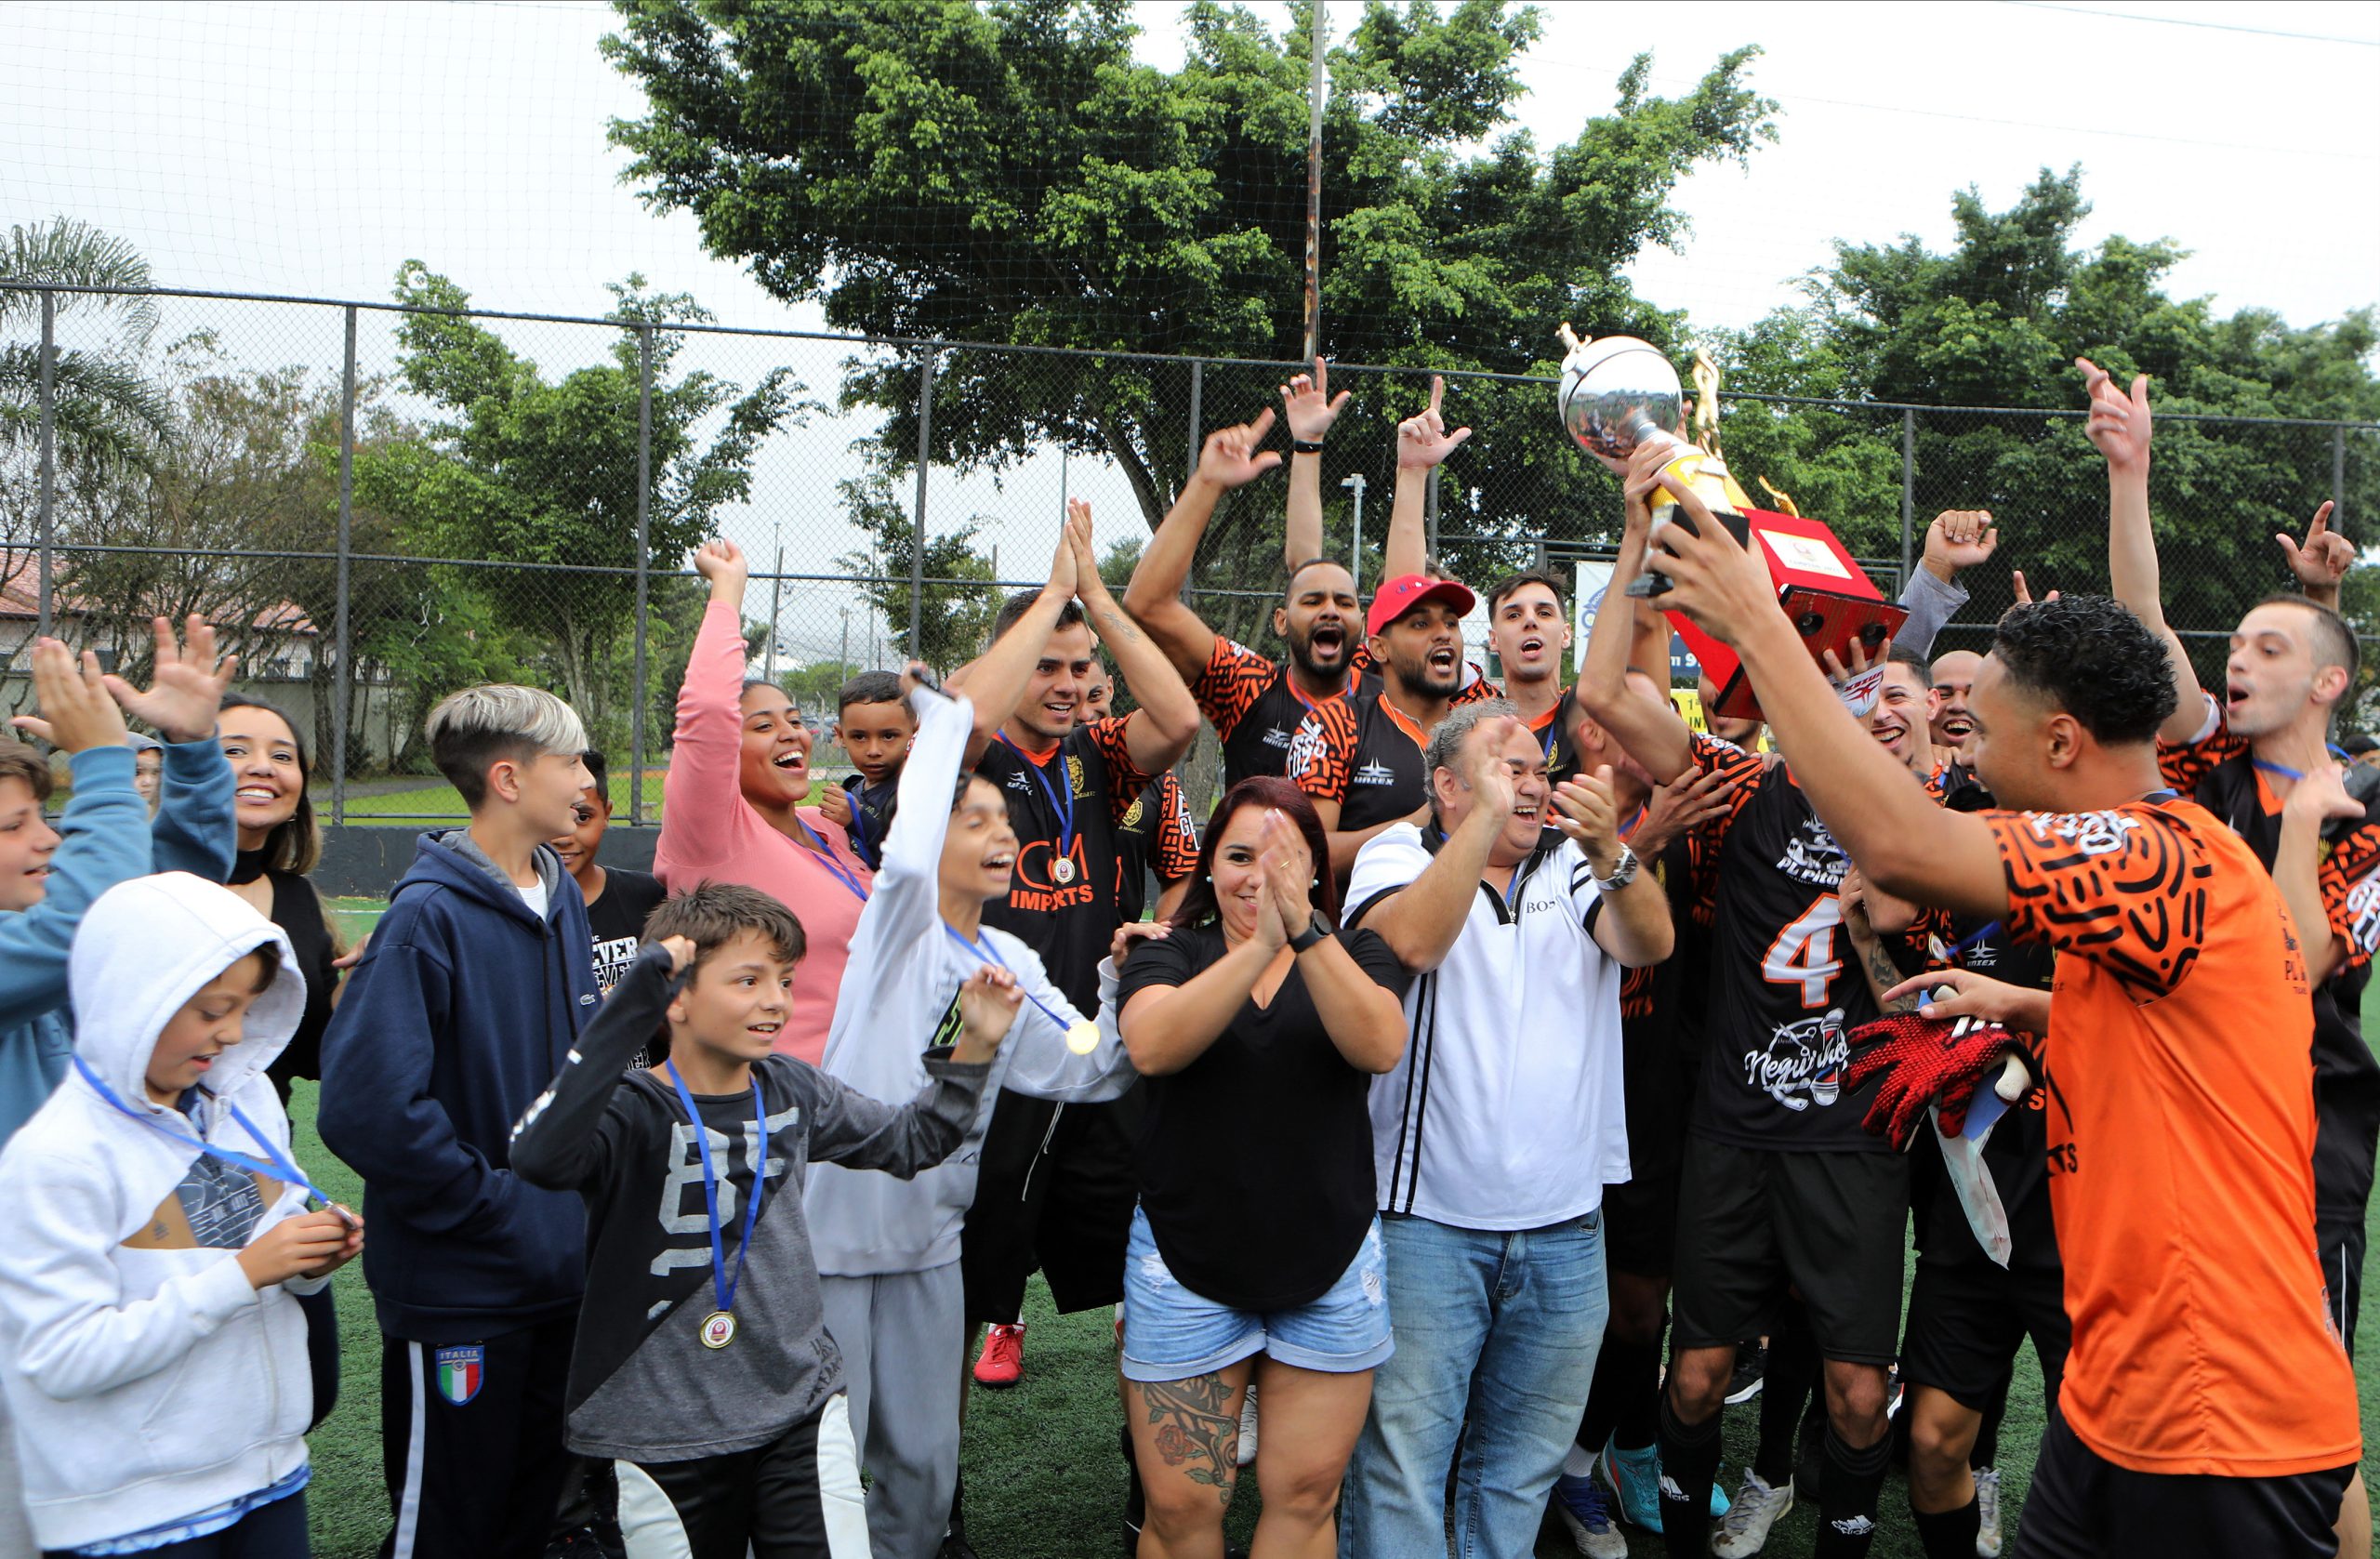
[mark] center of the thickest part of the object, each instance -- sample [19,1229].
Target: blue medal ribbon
[723,1283]
[843,874]
[280,1168]
[1061,795]
[983,948]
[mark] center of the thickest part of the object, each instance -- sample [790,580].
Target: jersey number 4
[1803,952]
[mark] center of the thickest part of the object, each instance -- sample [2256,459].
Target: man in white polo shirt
[1518,906]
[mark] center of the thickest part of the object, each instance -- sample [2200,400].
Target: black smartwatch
[1316,930]
[1306,446]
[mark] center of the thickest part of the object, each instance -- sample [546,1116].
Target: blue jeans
[1500,1329]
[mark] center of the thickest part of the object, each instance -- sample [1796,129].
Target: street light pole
[1355,559]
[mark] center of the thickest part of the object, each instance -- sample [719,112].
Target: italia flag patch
[460,1368]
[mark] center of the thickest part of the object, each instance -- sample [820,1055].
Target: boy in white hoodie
[887,1249]
[155,1225]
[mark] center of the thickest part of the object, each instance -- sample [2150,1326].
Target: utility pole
[843,656]
[1313,197]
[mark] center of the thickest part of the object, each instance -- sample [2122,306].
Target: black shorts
[1640,1225]
[1967,1318]
[2083,1506]
[1055,1193]
[2340,1241]
[1752,1221]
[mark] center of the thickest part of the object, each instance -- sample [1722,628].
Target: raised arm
[1421,443]
[1957,538]
[1883,818]
[1308,408]
[557,1142]
[1161,730]
[1655,735]
[701,795]
[193,830]
[1228,459]
[996,680]
[1422,920]
[2120,427]
[2297,864]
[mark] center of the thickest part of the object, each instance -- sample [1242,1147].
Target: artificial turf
[1043,1477]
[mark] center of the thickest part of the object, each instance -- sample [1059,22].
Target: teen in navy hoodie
[470,996]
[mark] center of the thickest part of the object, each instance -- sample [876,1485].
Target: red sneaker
[1001,1363]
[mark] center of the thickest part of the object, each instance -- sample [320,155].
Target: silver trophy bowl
[1616,393]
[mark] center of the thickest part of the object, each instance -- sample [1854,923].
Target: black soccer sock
[1987,1439]
[1949,1534]
[1624,1404]
[1791,1375]
[1689,1466]
[1848,1488]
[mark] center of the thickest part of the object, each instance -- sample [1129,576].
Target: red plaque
[1832,603]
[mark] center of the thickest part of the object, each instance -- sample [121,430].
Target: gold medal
[1082,1036]
[718,1330]
[1063,868]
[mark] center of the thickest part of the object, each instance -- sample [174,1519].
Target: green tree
[531,471]
[1009,174]
[958,602]
[1995,322]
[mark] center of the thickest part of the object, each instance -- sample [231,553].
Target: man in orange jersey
[2207,1406]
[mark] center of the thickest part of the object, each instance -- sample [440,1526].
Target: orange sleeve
[1125,778]
[1322,754]
[2126,889]
[1177,847]
[2186,763]
[1748,772]
[2350,882]
[1235,677]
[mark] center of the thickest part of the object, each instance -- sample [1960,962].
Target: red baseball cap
[1400,595]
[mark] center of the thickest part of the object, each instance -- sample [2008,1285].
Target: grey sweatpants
[903,1337]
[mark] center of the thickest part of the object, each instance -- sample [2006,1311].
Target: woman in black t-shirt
[1255,1250]
[278,846]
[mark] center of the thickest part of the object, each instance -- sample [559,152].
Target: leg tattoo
[1194,1420]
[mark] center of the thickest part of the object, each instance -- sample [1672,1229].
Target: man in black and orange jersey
[2207,1405]
[1055,1188]
[1360,757]
[1254,703]
[1154,834]
[1780,1186]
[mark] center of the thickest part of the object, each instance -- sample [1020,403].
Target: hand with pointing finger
[1308,406]
[2322,560]
[1422,441]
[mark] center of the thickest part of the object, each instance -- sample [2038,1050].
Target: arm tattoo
[1883,975]
[1194,1421]
[1115,623]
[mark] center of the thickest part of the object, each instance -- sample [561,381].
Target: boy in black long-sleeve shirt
[703,1367]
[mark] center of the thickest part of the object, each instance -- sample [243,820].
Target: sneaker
[1751,1366]
[1580,1503]
[1895,1390]
[1744,1531]
[1247,1455]
[1640,1504]
[1001,1363]
[1987,1506]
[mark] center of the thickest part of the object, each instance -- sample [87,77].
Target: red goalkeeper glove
[1923,1061]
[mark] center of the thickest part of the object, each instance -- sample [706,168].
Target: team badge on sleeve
[460,1369]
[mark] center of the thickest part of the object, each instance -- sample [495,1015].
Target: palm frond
[67,253]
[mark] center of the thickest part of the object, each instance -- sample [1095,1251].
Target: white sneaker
[1743,1531]
[1987,1506]
[1247,1457]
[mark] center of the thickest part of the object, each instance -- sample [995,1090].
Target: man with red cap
[1360,757]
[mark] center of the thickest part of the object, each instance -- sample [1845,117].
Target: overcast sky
[303,148]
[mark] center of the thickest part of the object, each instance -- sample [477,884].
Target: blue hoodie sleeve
[377,1112]
[105,840]
[194,830]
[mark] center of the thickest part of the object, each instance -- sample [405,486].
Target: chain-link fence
[377,504]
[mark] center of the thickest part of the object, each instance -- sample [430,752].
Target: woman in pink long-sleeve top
[730,809]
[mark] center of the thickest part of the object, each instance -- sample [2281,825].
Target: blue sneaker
[1635,1479]
[1580,1503]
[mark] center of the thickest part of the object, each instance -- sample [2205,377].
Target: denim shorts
[1173,1334]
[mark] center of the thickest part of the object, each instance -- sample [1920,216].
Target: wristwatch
[1621,875]
[1316,930]
[1306,446]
